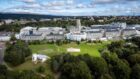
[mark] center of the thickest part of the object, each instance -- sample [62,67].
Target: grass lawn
[29,65]
[53,49]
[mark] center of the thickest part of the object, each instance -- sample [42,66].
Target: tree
[41,69]
[55,65]
[106,76]
[114,46]
[15,53]
[135,72]
[28,74]
[98,66]
[77,42]
[129,50]
[118,68]
[13,38]
[134,59]
[123,49]
[59,42]
[75,70]
[3,70]
[12,74]
[121,70]
[49,76]
[136,40]
[59,60]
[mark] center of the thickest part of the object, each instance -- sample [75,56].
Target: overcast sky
[72,7]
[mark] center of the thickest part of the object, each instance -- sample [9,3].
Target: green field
[53,49]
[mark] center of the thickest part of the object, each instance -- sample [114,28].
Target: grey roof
[111,27]
[94,31]
[5,33]
[129,29]
[105,27]
[55,35]
[112,30]
[137,28]
[33,35]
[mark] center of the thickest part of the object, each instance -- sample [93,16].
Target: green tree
[114,46]
[106,76]
[13,38]
[28,74]
[3,70]
[121,70]
[136,40]
[134,59]
[135,72]
[75,70]
[49,76]
[59,42]
[41,69]
[98,66]
[15,53]
[55,65]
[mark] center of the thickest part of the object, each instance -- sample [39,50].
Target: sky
[72,7]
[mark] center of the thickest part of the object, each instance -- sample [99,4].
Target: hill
[26,16]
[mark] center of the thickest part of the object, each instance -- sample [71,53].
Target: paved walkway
[2,48]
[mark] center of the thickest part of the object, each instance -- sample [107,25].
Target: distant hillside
[37,16]
[26,16]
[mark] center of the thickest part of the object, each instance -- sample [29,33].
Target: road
[2,48]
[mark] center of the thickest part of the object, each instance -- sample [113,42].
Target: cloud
[73,7]
[70,1]
[81,6]
[58,3]
[55,3]
[104,1]
[34,5]
[28,1]
[111,1]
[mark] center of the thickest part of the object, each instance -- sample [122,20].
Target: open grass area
[29,65]
[53,49]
